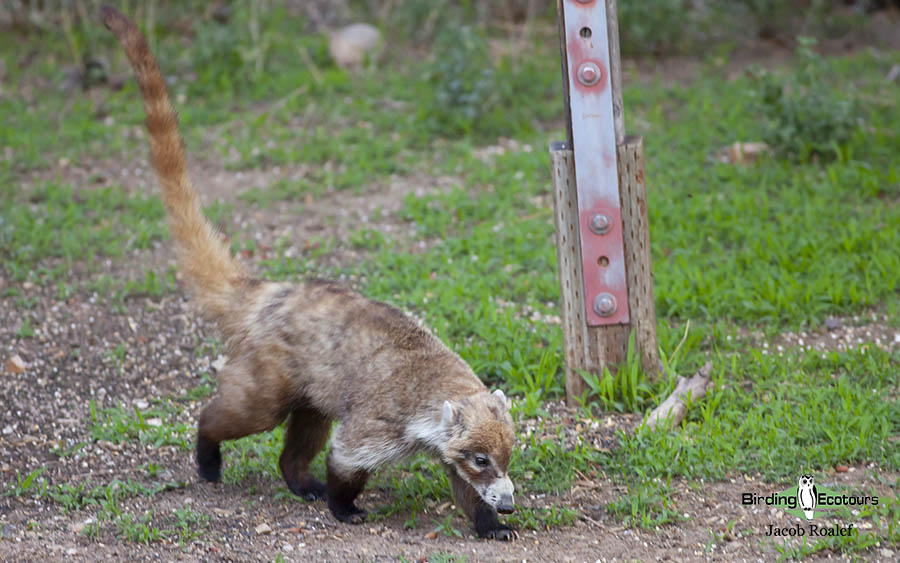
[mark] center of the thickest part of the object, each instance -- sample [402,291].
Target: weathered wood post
[600,201]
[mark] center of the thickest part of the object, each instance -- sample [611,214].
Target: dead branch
[672,411]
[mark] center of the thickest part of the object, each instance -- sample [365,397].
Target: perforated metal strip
[596,173]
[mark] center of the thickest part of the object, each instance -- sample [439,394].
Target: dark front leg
[342,489]
[483,516]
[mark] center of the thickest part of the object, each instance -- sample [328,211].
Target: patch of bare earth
[839,334]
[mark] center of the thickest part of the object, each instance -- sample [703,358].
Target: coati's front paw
[488,526]
[347,511]
[499,532]
[310,490]
[349,514]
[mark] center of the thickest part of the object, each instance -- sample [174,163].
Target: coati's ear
[447,415]
[500,395]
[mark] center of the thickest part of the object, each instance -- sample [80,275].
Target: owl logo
[806,495]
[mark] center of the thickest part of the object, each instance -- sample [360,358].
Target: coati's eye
[481,461]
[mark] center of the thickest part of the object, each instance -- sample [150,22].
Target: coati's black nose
[506,505]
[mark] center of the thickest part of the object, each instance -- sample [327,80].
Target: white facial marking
[494,491]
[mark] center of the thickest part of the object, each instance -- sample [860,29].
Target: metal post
[600,201]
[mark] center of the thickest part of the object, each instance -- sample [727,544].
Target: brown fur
[203,258]
[316,352]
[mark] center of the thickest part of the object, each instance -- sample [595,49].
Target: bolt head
[600,224]
[605,305]
[589,73]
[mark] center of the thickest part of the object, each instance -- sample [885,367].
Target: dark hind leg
[305,435]
[344,485]
[233,413]
[209,459]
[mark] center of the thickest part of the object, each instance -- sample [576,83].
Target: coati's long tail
[204,259]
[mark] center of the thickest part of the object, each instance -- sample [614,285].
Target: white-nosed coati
[316,352]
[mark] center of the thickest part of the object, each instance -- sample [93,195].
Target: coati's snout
[499,494]
[506,505]
[480,439]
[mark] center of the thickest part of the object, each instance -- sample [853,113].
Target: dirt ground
[67,364]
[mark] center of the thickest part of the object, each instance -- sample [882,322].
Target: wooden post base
[592,348]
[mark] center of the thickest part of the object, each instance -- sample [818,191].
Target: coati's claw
[502,533]
[351,515]
[317,494]
[311,490]
[358,517]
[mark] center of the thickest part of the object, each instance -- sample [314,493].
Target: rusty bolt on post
[600,224]
[605,305]
[589,73]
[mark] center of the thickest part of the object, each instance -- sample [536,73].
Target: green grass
[79,495]
[160,425]
[439,557]
[775,415]
[883,528]
[773,246]
[647,504]
[93,221]
[27,484]
[542,518]
[105,501]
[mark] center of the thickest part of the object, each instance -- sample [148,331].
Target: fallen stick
[672,411]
